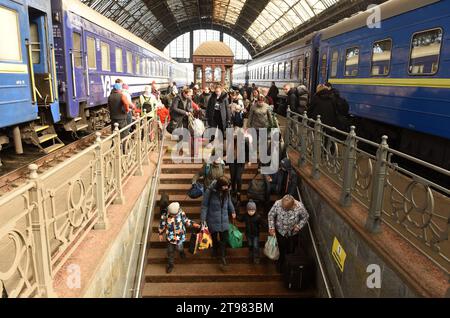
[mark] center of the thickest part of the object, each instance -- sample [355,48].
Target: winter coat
[216,210]
[274,92]
[179,110]
[252,224]
[323,104]
[259,116]
[302,100]
[293,99]
[174,226]
[209,173]
[205,100]
[224,110]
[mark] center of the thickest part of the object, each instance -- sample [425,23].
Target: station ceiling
[258,24]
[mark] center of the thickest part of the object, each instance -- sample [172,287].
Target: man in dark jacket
[218,113]
[216,208]
[341,109]
[118,109]
[273,93]
[292,97]
[205,97]
[323,104]
[285,181]
[181,110]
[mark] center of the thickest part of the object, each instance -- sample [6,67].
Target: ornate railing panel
[413,206]
[43,222]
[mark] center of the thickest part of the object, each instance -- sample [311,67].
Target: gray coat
[215,214]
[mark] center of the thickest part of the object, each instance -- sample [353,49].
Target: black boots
[169,268]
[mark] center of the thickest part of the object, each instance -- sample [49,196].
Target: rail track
[19,176]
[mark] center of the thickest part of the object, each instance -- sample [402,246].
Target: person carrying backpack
[148,101]
[210,172]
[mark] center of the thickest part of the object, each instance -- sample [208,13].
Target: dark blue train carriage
[28,94]
[91,53]
[396,78]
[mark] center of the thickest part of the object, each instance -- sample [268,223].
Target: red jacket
[162,114]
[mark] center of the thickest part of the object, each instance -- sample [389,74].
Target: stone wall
[116,276]
[352,281]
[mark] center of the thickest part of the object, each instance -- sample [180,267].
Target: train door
[315,70]
[41,62]
[78,66]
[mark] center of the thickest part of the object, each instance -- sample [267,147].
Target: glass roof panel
[282,16]
[227,10]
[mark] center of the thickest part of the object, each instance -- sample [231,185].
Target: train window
[301,69]
[129,63]
[142,68]
[352,62]
[35,44]
[323,66]
[425,52]
[138,65]
[280,70]
[307,69]
[76,50]
[92,53]
[285,69]
[291,69]
[106,57]
[119,60]
[381,57]
[10,50]
[334,63]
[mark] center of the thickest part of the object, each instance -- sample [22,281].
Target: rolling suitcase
[298,271]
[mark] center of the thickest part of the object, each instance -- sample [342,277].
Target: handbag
[196,127]
[271,249]
[196,191]
[172,125]
[235,237]
[204,240]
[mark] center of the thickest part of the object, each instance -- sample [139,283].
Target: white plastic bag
[271,248]
[198,127]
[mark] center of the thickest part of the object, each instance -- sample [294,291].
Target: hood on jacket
[302,90]
[286,164]
[325,94]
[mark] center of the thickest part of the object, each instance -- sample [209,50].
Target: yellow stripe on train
[399,82]
[13,68]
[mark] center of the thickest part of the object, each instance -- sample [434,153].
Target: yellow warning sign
[339,254]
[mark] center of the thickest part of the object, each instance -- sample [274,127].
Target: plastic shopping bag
[204,240]
[235,237]
[271,248]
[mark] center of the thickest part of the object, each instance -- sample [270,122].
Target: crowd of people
[240,109]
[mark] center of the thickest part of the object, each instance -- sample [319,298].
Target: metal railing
[44,221]
[416,208]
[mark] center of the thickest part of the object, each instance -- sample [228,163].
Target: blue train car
[28,95]
[91,53]
[396,77]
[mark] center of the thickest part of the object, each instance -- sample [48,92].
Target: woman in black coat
[323,104]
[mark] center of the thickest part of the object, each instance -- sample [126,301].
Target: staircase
[200,275]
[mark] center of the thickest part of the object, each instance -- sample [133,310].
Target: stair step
[156,273]
[234,256]
[184,200]
[53,148]
[80,127]
[77,119]
[195,168]
[271,289]
[182,189]
[47,137]
[187,178]
[41,128]
[155,226]
[155,243]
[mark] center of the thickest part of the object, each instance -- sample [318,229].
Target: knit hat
[251,205]
[173,208]
[125,86]
[117,86]
[321,88]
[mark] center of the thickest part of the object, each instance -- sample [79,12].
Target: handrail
[317,256]
[387,189]
[150,207]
